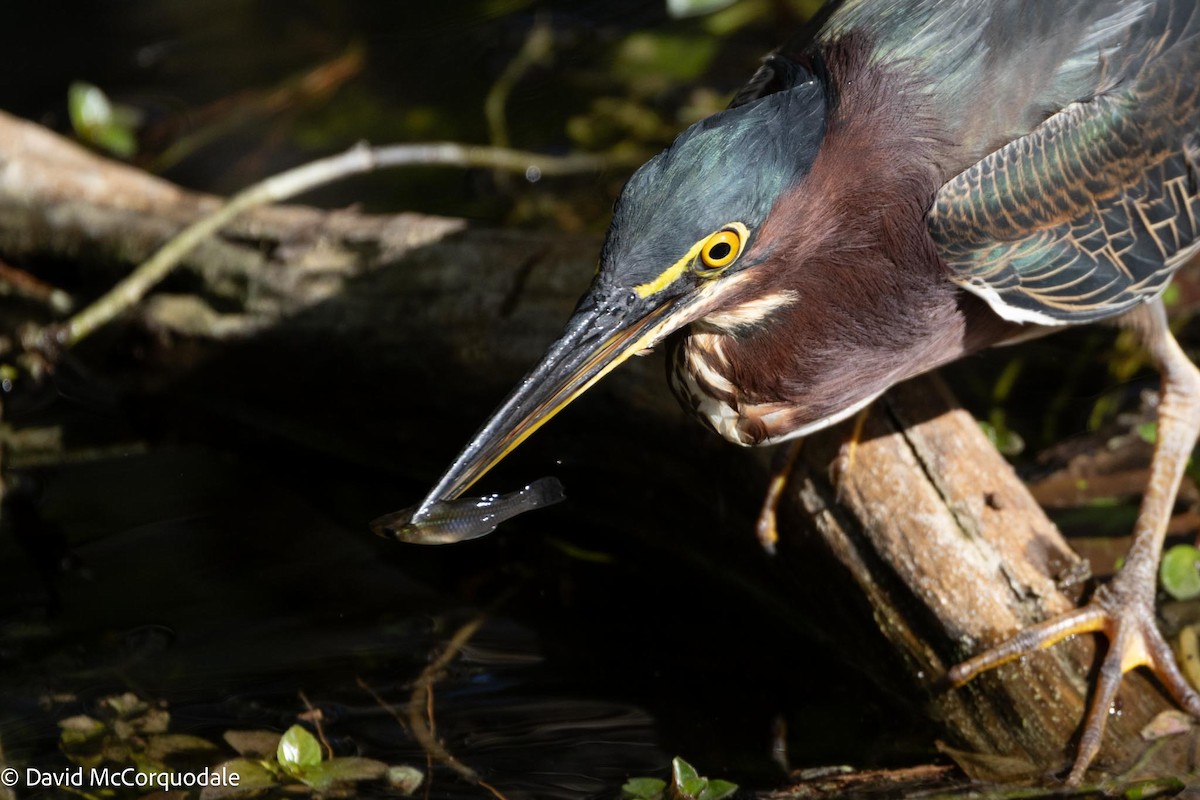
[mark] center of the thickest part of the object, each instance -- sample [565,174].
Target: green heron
[917,180]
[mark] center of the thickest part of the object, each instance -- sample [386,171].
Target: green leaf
[342,770]
[718,790]
[644,788]
[1003,438]
[154,720]
[128,704]
[352,768]
[315,777]
[686,780]
[88,106]
[989,430]
[80,729]
[682,771]
[163,745]
[688,784]
[118,141]
[99,122]
[1155,787]
[405,779]
[84,740]
[260,744]
[298,750]
[1179,572]
[1148,431]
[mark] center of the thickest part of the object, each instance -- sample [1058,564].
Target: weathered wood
[952,554]
[944,547]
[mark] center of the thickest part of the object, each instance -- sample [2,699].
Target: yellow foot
[1124,613]
[781,469]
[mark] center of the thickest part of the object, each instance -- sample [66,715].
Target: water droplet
[533,174]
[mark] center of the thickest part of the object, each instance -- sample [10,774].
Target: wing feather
[1091,212]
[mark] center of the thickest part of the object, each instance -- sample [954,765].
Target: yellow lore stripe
[671,274]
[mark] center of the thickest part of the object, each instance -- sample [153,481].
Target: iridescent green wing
[1091,213]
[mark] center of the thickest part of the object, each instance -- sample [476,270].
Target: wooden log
[942,550]
[951,554]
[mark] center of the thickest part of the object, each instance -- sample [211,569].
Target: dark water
[203,556]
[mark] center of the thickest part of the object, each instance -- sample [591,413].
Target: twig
[418,723]
[314,714]
[33,448]
[420,704]
[384,704]
[224,116]
[23,284]
[359,159]
[537,48]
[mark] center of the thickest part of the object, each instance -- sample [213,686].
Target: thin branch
[359,159]
[315,715]
[384,704]
[418,722]
[231,113]
[420,704]
[537,49]
[23,284]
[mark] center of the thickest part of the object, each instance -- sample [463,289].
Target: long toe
[1124,612]
[1089,619]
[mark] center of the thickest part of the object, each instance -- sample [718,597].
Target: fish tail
[546,491]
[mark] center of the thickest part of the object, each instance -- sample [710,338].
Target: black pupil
[719,251]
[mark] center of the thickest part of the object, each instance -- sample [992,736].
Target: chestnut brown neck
[871,302]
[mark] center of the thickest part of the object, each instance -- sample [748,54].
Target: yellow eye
[721,248]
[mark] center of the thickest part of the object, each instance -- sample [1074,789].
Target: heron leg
[781,469]
[1123,609]
[782,463]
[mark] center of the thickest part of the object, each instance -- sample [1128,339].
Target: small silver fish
[450,521]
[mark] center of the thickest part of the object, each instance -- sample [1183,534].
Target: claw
[1124,614]
[1124,609]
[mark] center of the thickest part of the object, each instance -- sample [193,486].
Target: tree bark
[942,551]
